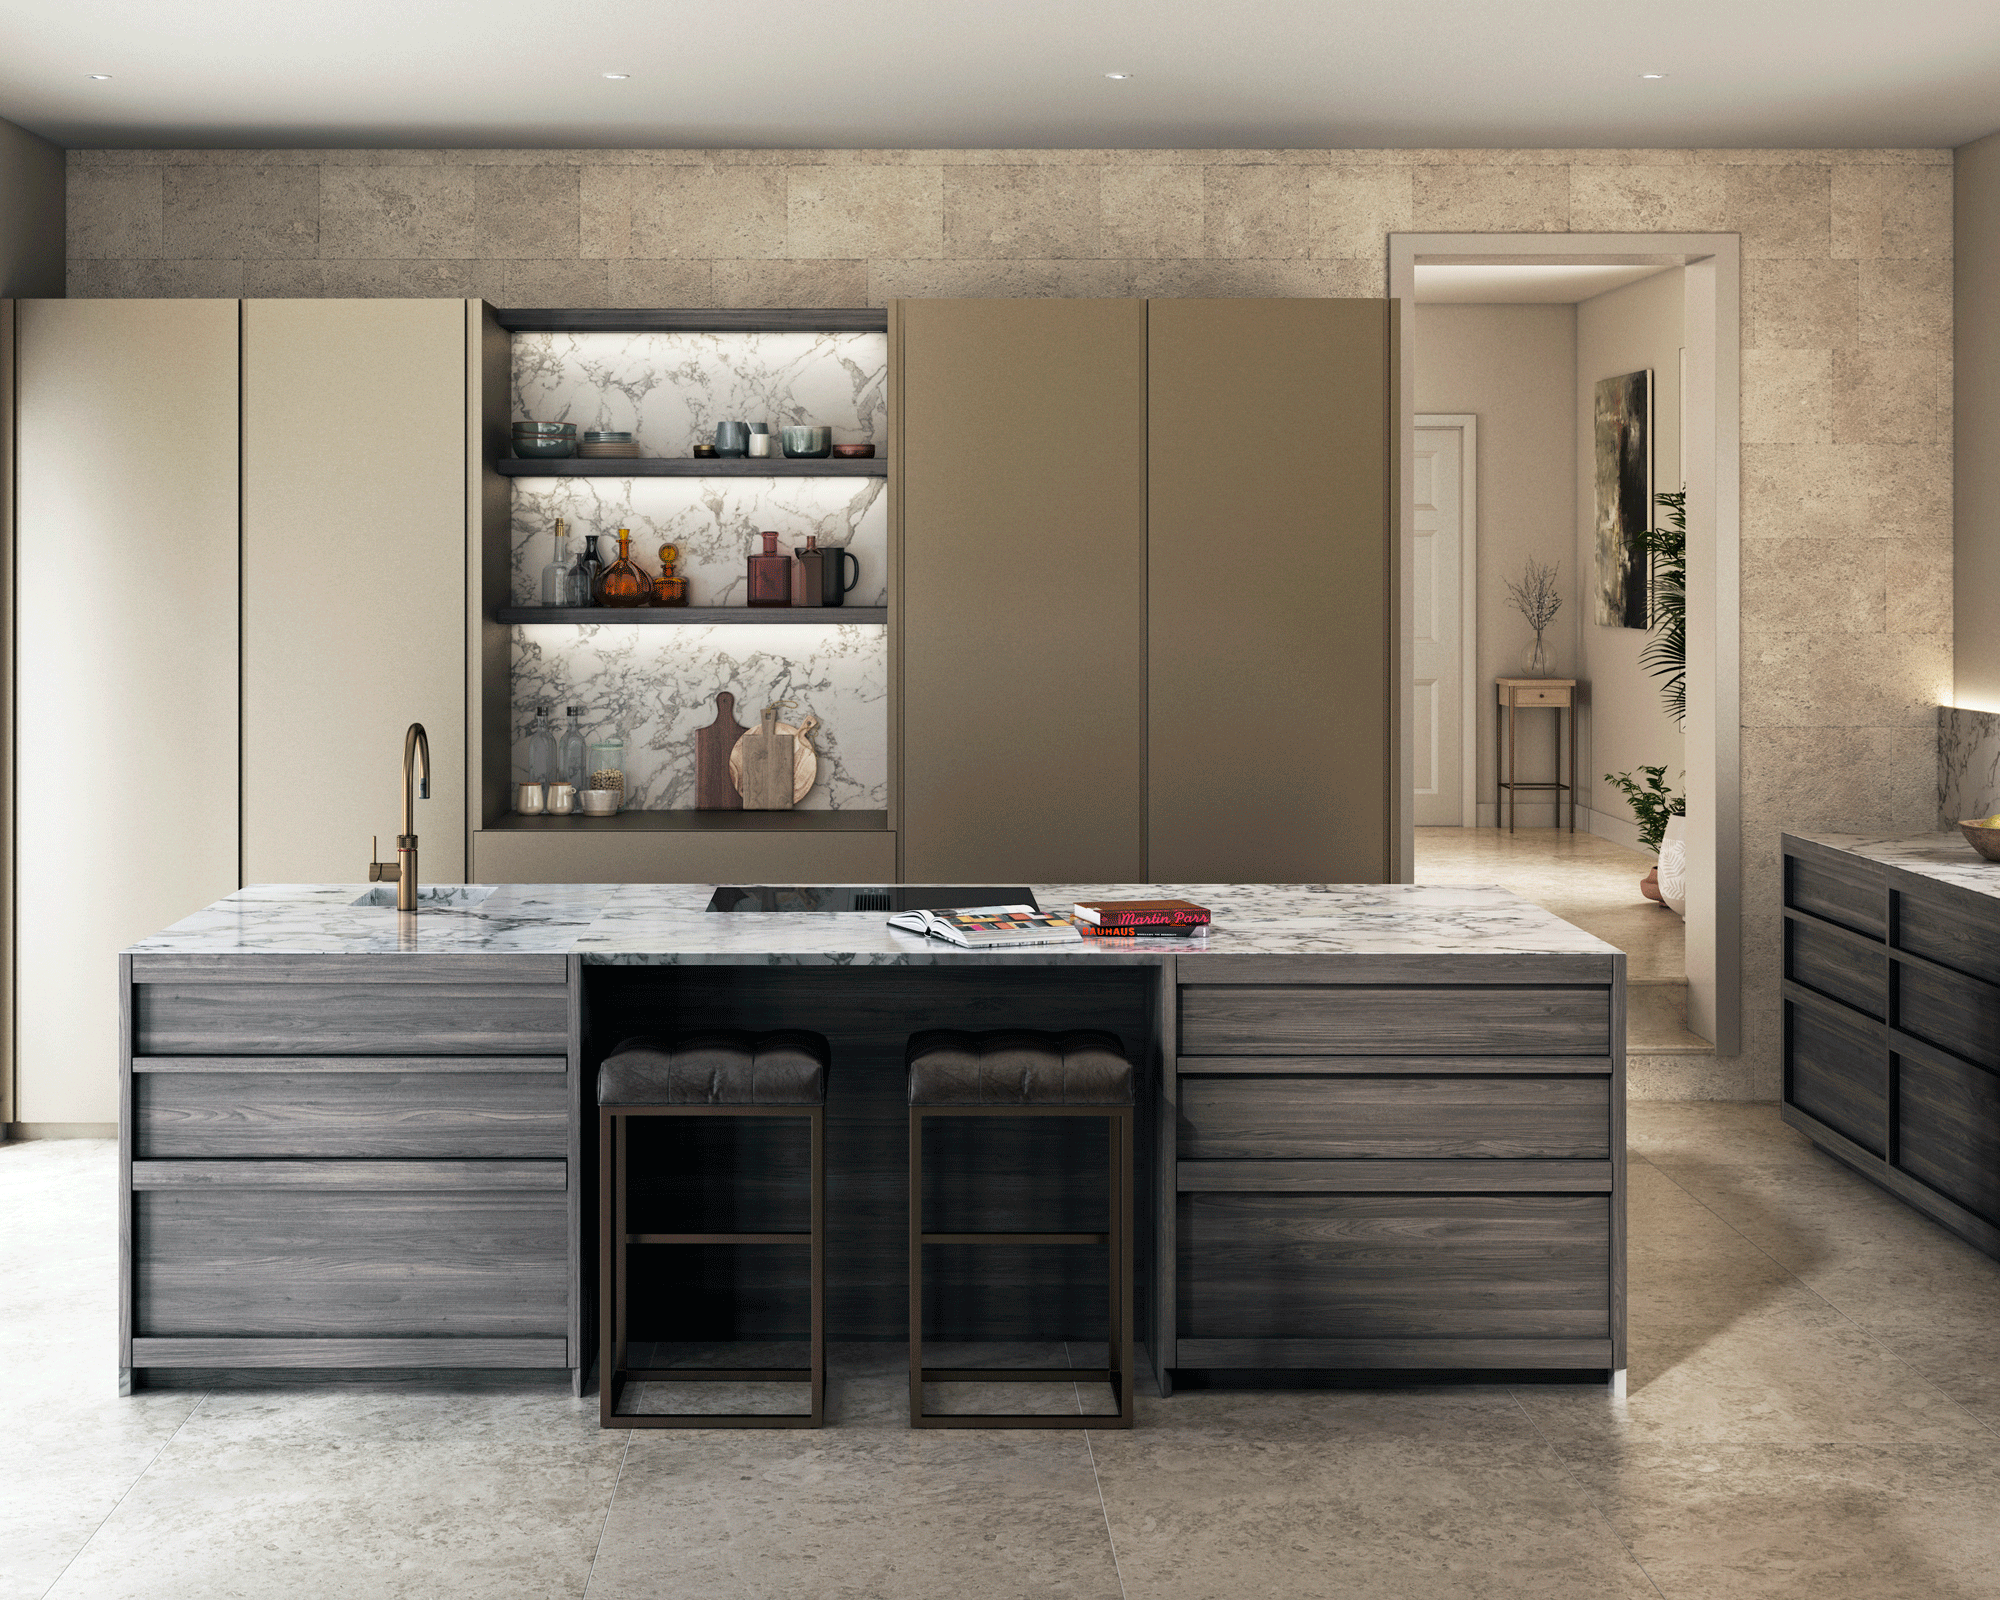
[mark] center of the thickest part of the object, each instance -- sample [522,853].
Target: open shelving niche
[499,611]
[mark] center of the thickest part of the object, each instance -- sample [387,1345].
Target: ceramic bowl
[605,436]
[564,428]
[543,447]
[598,802]
[1985,840]
[854,452]
[811,444]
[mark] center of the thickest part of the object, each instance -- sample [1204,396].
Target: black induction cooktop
[857,897]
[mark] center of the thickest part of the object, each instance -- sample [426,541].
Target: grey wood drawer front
[1838,1070]
[1953,928]
[1853,970]
[1949,1122]
[1954,1013]
[263,1262]
[1394,1266]
[341,1018]
[1307,1019]
[1249,1118]
[411,1114]
[1839,887]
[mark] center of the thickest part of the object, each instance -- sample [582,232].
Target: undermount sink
[433,897]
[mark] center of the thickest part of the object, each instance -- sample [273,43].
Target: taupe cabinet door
[354,485]
[1021,486]
[126,770]
[1270,467]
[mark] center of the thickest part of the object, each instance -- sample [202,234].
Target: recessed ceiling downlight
[616,77]
[1652,77]
[99,77]
[1119,77]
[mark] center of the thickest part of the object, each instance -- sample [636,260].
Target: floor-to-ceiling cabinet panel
[354,487]
[1021,484]
[125,639]
[1271,639]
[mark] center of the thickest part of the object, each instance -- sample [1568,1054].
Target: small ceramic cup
[528,799]
[760,445]
[562,799]
[732,439]
[809,442]
[599,802]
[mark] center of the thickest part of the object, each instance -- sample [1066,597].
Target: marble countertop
[664,924]
[1944,857]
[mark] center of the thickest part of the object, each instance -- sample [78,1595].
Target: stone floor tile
[504,1409]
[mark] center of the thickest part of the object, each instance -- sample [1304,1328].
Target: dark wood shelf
[667,616]
[700,822]
[769,319]
[689,467]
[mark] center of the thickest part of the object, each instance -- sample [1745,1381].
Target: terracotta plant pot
[1649,886]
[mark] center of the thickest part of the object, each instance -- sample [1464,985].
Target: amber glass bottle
[670,588]
[770,575]
[624,583]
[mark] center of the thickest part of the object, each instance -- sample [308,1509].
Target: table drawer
[1535,697]
[1308,1020]
[198,1017]
[1395,1118]
[396,1109]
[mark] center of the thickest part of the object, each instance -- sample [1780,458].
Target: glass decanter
[624,583]
[770,575]
[582,578]
[555,576]
[670,588]
[572,753]
[541,749]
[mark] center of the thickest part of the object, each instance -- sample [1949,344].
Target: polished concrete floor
[1814,1412]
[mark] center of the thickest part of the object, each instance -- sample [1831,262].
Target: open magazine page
[987,926]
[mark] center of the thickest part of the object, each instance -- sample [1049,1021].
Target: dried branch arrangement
[1536,596]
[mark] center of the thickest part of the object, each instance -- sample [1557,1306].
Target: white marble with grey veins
[1968,764]
[670,389]
[654,686]
[1941,857]
[664,924]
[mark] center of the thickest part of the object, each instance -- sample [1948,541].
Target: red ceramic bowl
[854,452]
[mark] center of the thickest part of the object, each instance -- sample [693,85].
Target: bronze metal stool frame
[614,1243]
[1118,1242]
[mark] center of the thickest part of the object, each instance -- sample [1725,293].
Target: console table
[1517,694]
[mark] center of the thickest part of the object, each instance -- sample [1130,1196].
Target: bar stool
[726,1073]
[1020,1073]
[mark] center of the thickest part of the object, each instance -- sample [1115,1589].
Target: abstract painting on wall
[1624,497]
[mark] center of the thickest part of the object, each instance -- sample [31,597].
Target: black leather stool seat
[1018,1067]
[724,1067]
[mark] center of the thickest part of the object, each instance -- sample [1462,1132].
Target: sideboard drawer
[1395,1118]
[195,1017]
[1309,1020]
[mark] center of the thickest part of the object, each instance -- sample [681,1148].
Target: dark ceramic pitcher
[835,565]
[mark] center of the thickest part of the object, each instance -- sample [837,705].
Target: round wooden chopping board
[805,759]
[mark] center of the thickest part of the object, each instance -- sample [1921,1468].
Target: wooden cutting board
[712,789]
[767,765]
[805,759]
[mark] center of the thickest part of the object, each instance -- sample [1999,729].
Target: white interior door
[1442,592]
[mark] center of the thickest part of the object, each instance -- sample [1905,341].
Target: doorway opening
[1502,342]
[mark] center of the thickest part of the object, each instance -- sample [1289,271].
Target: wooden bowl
[1985,840]
[854,452]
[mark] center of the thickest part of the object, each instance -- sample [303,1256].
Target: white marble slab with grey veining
[1942,857]
[1968,764]
[665,925]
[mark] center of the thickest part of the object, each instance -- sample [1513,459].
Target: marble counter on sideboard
[1942,857]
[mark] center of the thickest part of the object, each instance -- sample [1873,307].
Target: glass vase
[1539,665]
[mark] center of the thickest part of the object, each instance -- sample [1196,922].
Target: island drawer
[1954,1013]
[1837,1070]
[1237,1118]
[1370,1266]
[1853,970]
[409,1107]
[1839,887]
[1268,1019]
[342,1017]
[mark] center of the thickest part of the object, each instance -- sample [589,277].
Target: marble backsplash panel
[654,686]
[670,389]
[714,522]
[1968,764]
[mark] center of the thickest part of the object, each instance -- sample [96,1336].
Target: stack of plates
[601,443]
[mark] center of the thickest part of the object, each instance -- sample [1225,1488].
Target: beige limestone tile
[284,280]
[1962,1361]
[1619,198]
[1892,213]
[1632,158]
[1780,1521]
[1829,490]
[1817,679]
[519,158]
[604,211]
[660,284]
[1787,397]
[1178,280]
[1841,584]
[524,213]
[184,280]
[1499,157]
[1481,199]
[1781,210]
[1351,211]
[1907,304]
[1035,213]
[1474,1414]
[1834,779]
[361,280]
[1918,584]
[96,280]
[454,280]
[791,283]
[501,1409]
[1703,1077]
[115,213]
[233,213]
[1891,395]
[396,213]
[1800,305]
[781,158]
[1149,212]
[701,213]
[557,283]
[1253,212]
[1000,280]
[864,213]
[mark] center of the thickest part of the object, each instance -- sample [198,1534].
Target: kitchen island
[1382,1127]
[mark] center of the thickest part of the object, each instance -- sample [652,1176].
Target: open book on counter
[984,927]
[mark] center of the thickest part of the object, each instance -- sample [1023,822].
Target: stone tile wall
[1846,572]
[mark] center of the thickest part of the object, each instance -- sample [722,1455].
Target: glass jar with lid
[607,769]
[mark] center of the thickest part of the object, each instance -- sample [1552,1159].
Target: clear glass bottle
[572,752]
[670,588]
[607,766]
[555,576]
[541,748]
[770,575]
[583,575]
[624,583]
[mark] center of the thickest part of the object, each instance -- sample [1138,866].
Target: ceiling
[1255,74]
[1542,284]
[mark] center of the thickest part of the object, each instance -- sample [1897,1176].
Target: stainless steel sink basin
[431,897]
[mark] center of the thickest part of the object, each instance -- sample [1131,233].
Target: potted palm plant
[1659,810]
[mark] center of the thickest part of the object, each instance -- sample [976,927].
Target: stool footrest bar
[718,1374]
[1016,1374]
[718,1238]
[1016,1238]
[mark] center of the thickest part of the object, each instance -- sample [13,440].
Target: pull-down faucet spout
[416,754]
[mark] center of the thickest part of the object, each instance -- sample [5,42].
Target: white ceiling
[1543,284]
[1253,74]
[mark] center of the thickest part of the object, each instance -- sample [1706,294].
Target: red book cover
[1142,913]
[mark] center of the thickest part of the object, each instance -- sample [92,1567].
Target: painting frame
[1623,461]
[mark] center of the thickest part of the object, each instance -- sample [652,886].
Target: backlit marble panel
[714,522]
[653,686]
[670,389]
[1968,764]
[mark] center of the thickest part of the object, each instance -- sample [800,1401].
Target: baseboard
[61,1130]
[1615,826]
